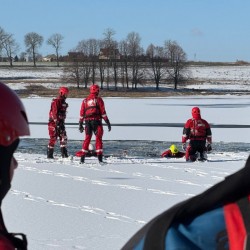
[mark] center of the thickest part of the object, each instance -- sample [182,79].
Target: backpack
[230,195]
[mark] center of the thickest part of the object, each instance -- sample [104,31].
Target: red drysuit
[57,116]
[92,112]
[169,154]
[197,131]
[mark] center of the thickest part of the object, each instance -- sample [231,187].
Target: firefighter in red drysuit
[198,132]
[173,152]
[56,126]
[92,112]
[13,124]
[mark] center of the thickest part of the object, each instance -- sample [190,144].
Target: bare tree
[56,42]
[177,69]
[108,38]
[123,47]
[72,73]
[158,61]
[115,65]
[134,52]
[102,65]
[10,47]
[83,63]
[112,63]
[109,44]
[33,41]
[2,38]
[89,50]
[93,46]
[73,69]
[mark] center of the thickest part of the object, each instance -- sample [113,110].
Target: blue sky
[207,30]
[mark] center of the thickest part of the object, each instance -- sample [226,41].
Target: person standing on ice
[92,112]
[56,125]
[13,124]
[198,132]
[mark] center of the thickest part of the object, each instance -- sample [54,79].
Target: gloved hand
[81,128]
[109,125]
[209,147]
[184,147]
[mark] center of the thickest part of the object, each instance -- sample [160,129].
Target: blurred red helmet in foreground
[13,118]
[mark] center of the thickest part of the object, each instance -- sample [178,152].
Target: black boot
[99,158]
[64,152]
[82,160]
[50,152]
[203,157]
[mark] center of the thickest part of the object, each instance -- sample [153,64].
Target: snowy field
[217,77]
[61,204]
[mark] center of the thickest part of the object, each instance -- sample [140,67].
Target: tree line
[108,60]
[32,40]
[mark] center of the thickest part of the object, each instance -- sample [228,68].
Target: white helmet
[91,147]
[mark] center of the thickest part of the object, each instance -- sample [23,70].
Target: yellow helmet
[174,149]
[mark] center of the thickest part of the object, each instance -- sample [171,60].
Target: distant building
[49,58]
[108,53]
[4,59]
[73,56]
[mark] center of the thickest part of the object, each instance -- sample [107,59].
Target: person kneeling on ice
[92,112]
[198,132]
[13,124]
[173,152]
[91,152]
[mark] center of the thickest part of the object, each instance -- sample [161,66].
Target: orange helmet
[64,91]
[13,118]
[94,89]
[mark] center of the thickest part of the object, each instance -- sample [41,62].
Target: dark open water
[120,148]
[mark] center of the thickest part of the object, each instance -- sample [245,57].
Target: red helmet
[63,91]
[94,89]
[196,113]
[196,110]
[13,118]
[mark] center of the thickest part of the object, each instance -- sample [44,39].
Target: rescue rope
[171,125]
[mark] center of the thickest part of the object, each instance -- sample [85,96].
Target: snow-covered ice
[61,204]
